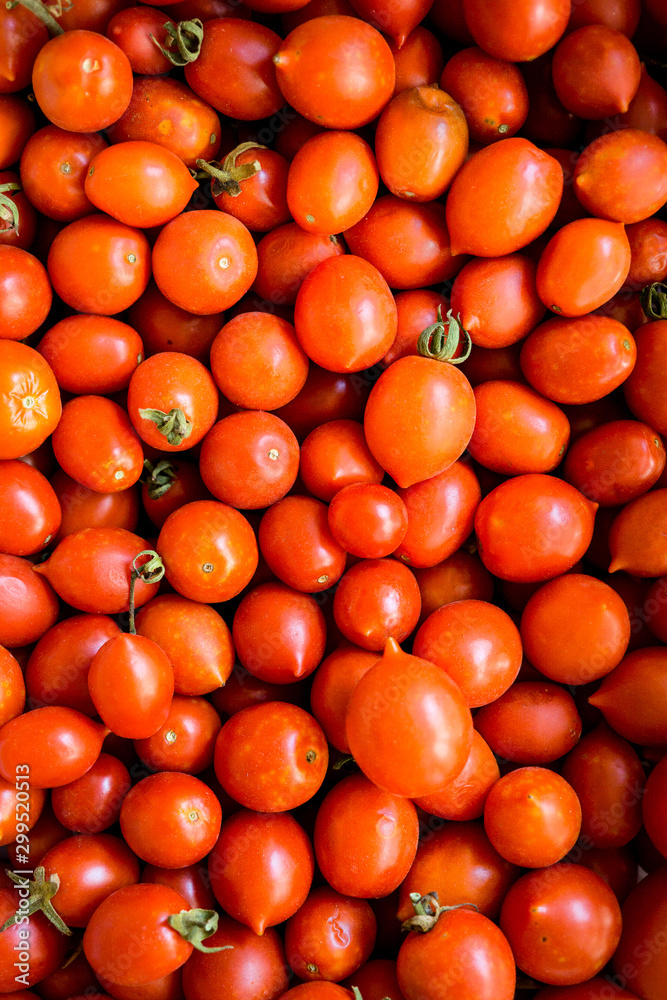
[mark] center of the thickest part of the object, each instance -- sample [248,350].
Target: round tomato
[25,293]
[131,682]
[531,723]
[368,520]
[91,803]
[491,92]
[251,967]
[622,176]
[31,400]
[31,511]
[296,543]
[529,29]
[186,740]
[54,164]
[376,599]
[329,936]
[29,604]
[172,401]
[335,455]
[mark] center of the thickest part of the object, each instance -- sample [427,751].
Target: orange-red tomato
[643,389]
[464,796]
[92,354]
[54,164]
[615,462]
[259,201]
[334,681]
[419,60]
[634,543]
[491,92]
[531,723]
[596,71]
[31,400]
[17,124]
[96,445]
[285,256]
[376,599]
[298,546]
[622,175]
[172,401]
[525,31]
[25,293]
[336,455]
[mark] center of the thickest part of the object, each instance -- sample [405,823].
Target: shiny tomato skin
[103,557]
[642,391]
[286,255]
[389,743]
[467,941]
[527,31]
[271,757]
[567,280]
[185,741]
[254,968]
[91,803]
[209,551]
[185,485]
[648,246]
[633,696]
[195,638]
[111,933]
[262,203]
[261,868]
[333,684]
[376,599]
[616,462]
[491,92]
[634,545]
[464,796]
[367,519]
[31,511]
[47,948]
[26,293]
[54,164]
[23,35]
[554,525]
[376,860]
[575,910]
[97,446]
[170,819]
[335,455]
[531,723]
[417,308]
[58,744]
[512,182]
[297,545]
[517,430]
[419,418]
[190,881]
[30,605]
[644,914]
[131,682]
[317,991]
[621,176]
[31,397]
[329,936]
[84,508]
[18,124]
[459,577]
[19,812]
[13,692]
[131,29]
[308,71]
[82,81]
[92,354]
[596,72]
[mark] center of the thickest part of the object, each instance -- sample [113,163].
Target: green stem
[9,210]
[41,890]
[653,300]
[174,425]
[40,11]
[227,176]
[196,926]
[151,571]
[427,912]
[440,340]
[186,37]
[158,479]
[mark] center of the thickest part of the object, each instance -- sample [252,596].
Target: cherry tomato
[54,164]
[531,723]
[31,956]
[92,354]
[18,124]
[191,881]
[186,739]
[84,508]
[23,34]
[29,604]
[20,808]
[596,71]
[286,255]
[56,745]
[464,796]
[164,326]
[397,21]
[491,92]
[335,455]
[296,542]
[31,512]
[615,462]
[642,393]
[634,544]
[251,969]
[419,60]
[333,684]
[91,803]
[96,445]
[529,29]
[416,309]
[376,599]
[643,918]
[131,682]
[131,29]
[368,520]
[459,577]
[19,233]
[329,936]
[653,806]
[621,176]
[172,401]
[567,280]
[632,697]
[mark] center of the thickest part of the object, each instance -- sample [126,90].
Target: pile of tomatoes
[333,502]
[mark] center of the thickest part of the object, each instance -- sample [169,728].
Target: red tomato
[648,247]
[643,391]
[271,757]
[528,30]
[168,485]
[329,936]
[204,261]
[596,71]
[515,186]
[54,745]
[308,66]
[577,913]
[368,520]
[419,418]
[33,957]
[131,682]
[634,544]
[531,723]
[12,695]
[464,796]
[654,806]
[209,551]
[172,401]
[23,35]
[84,508]
[20,808]
[279,633]
[261,868]
[96,445]
[477,644]
[164,326]
[25,293]
[54,164]
[428,123]
[568,281]
[333,684]
[18,124]
[491,92]
[31,512]
[82,81]
[397,21]
[103,560]
[191,881]
[29,604]
[91,803]
[332,182]
[90,868]
[186,739]
[633,697]
[335,455]
[459,577]
[251,185]
[170,819]
[622,176]
[615,462]
[296,542]
[376,599]
[286,255]
[392,711]
[92,354]
[575,629]
[643,920]
[131,30]
[416,309]
[419,60]
[365,838]
[253,968]
[19,232]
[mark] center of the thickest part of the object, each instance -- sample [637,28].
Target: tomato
[117,264]
[419,60]
[531,723]
[621,176]
[128,939]
[375,859]
[131,29]
[271,757]
[632,697]
[308,69]
[639,958]
[279,633]
[596,71]
[653,806]
[408,243]
[57,744]
[194,637]
[25,293]
[54,164]
[296,542]
[18,124]
[31,512]
[515,186]
[261,868]
[575,629]
[131,682]
[190,881]
[325,396]
[329,936]
[20,808]
[458,577]
[335,455]
[286,255]
[172,401]
[461,940]
[139,183]
[25,959]
[477,644]
[496,299]
[186,740]
[251,185]
[416,309]
[96,445]
[84,508]
[91,803]
[641,391]
[29,605]
[92,354]
[491,92]
[257,361]
[463,797]
[634,544]
[234,71]
[577,913]
[648,247]
[170,819]
[204,261]
[103,559]
[397,21]
[13,689]
[23,34]
[209,551]
[431,126]
[345,315]
[333,684]
[253,968]
[393,708]
[19,233]
[164,326]
[82,81]
[376,599]
[165,111]
[57,670]
[615,462]
[530,28]
[556,358]
[367,519]
[548,123]
[317,991]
